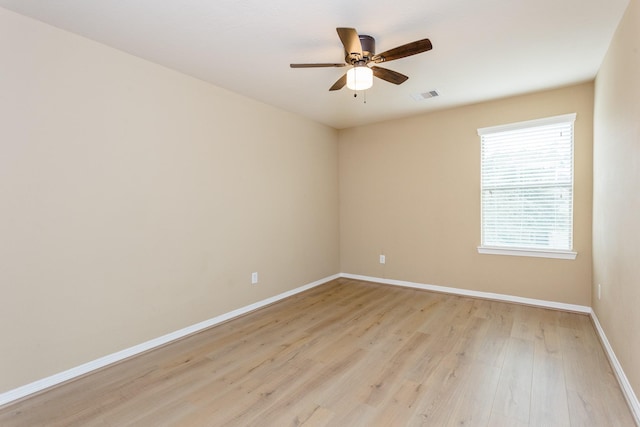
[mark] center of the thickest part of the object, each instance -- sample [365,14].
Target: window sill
[539,253]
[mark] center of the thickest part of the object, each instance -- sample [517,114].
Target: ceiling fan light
[360,78]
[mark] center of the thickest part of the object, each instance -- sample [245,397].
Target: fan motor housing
[368,50]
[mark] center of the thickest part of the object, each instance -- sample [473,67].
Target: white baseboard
[53,380]
[37,386]
[476,294]
[627,390]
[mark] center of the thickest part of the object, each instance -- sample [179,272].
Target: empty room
[249,213]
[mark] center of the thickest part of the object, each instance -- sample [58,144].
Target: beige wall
[136,201]
[409,189]
[616,200]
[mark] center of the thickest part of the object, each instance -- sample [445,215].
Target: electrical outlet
[599,290]
[383,259]
[254,278]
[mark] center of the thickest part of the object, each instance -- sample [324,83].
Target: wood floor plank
[549,406]
[513,396]
[474,408]
[317,417]
[444,390]
[592,384]
[355,414]
[387,379]
[353,353]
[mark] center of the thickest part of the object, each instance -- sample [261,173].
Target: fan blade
[350,40]
[403,51]
[340,83]
[389,75]
[317,65]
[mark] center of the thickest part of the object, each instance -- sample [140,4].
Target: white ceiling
[483,49]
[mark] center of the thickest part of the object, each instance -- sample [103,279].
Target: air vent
[425,95]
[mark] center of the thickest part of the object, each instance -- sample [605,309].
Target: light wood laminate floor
[350,353]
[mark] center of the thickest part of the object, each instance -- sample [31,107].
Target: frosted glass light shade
[359,78]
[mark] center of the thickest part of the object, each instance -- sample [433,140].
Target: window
[527,188]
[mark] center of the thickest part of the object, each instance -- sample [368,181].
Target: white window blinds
[527,184]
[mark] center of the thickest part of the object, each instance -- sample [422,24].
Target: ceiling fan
[360,51]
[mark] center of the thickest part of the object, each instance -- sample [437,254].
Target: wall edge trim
[625,385]
[475,294]
[75,372]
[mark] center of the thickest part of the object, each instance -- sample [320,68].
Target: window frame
[529,251]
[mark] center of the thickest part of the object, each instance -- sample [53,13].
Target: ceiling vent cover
[425,95]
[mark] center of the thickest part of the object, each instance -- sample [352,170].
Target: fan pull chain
[355,82]
[355,95]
